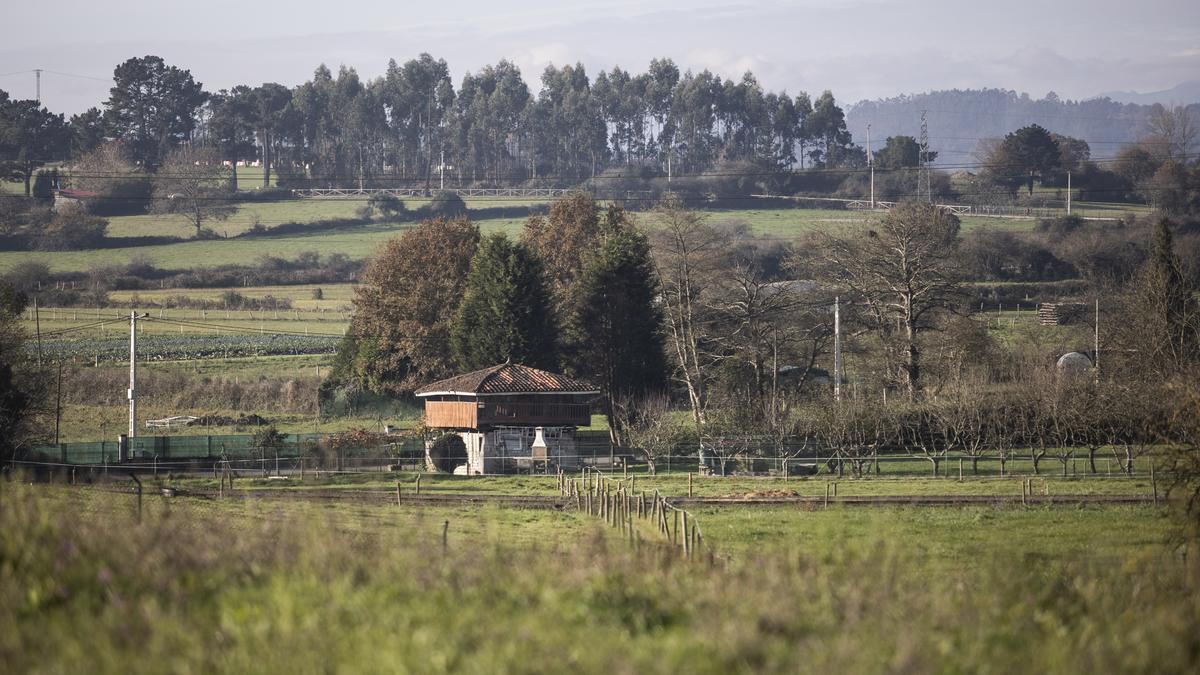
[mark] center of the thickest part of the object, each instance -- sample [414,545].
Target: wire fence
[622,506]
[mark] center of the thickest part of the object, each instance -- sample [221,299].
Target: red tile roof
[508,378]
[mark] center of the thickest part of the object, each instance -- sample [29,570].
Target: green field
[361,241]
[252,586]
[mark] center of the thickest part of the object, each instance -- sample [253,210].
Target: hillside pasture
[360,241]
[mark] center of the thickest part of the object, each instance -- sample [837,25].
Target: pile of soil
[765,494]
[227,421]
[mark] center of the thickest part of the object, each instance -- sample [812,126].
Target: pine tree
[505,313]
[618,321]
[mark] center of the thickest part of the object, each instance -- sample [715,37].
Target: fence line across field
[388,460]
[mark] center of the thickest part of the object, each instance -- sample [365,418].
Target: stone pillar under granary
[511,419]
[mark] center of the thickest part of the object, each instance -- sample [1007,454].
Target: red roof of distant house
[77,194]
[508,378]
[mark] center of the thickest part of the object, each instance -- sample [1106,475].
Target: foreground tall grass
[210,587]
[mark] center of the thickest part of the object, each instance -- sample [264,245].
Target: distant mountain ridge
[1180,94]
[958,119]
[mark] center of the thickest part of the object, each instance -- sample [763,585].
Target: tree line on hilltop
[163,144]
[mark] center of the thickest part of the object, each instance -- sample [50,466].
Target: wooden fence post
[445,535]
[1153,482]
[138,488]
[685,539]
[689,484]
[418,484]
[397,493]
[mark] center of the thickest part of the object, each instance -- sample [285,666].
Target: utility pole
[58,402]
[37,72]
[442,172]
[1068,192]
[1096,344]
[837,350]
[133,318]
[871,165]
[670,152]
[37,322]
[923,175]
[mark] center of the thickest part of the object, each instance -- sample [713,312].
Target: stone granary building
[509,417]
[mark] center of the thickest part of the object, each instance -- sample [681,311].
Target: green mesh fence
[231,446]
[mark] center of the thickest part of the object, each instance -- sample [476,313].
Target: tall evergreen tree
[623,348]
[505,313]
[30,136]
[1167,333]
[231,127]
[152,108]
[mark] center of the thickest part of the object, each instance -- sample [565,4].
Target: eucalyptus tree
[693,118]
[661,78]
[826,127]
[570,134]
[270,107]
[231,126]
[488,123]
[418,98]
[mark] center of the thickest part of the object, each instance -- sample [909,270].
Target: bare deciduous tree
[189,184]
[901,271]
[649,428]
[690,258]
[1171,132]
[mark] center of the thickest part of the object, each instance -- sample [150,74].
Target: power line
[76,75]
[606,177]
[74,329]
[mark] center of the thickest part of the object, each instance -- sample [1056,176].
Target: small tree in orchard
[189,184]
[649,428]
[920,430]
[966,422]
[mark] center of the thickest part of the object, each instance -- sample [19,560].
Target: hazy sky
[858,48]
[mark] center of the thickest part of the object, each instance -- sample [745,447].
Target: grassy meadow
[247,586]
